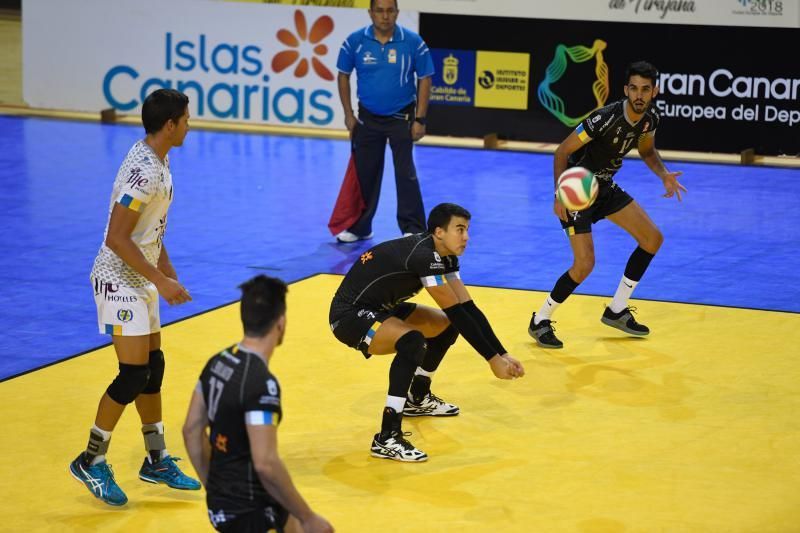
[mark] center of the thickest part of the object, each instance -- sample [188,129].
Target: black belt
[407,113]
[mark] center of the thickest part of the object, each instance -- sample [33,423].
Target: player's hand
[417,131]
[172,291]
[672,185]
[316,524]
[350,122]
[506,367]
[560,210]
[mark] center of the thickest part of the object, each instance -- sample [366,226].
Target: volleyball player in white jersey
[131,269]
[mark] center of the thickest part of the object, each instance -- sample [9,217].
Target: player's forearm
[127,250]
[560,162]
[343,82]
[277,481]
[164,264]
[472,332]
[486,328]
[653,161]
[423,96]
[199,452]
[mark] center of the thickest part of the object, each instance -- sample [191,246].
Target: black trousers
[369,147]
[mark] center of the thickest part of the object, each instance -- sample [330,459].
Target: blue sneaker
[167,472]
[99,479]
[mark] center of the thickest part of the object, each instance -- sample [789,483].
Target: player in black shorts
[369,313]
[599,143]
[237,397]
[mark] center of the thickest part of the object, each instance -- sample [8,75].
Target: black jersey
[238,390]
[608,135]
[394,271]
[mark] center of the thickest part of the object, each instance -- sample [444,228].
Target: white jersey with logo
[144,184]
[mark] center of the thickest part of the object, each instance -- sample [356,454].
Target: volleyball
[577,188]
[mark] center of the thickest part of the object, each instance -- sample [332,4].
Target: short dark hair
[263,303]
[161,106]
[372,4]
[643,69]
[440,216]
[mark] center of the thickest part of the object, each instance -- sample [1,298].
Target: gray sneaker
[624,321]
[544,333]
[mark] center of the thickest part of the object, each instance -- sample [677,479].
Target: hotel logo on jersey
[480,78]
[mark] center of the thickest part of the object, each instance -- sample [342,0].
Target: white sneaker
[431,405]
[394,446]
[346,236]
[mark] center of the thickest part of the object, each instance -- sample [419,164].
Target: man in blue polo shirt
[394,69]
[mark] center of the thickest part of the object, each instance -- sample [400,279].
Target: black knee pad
[156,372]
[129,383]
[412,345]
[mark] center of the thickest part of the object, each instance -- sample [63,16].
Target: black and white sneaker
[544,333]
[624,321]
[430,405]
[393,445]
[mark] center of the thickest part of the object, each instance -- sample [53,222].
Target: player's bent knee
[129,383]
[581,269]
[412,345]
[156,367]
[657,240]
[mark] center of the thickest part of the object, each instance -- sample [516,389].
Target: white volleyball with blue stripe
[577,188]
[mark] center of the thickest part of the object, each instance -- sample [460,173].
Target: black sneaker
[544,334]
[624,321]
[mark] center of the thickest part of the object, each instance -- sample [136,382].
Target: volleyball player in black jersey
[369,313]
[239,400]
[599,143]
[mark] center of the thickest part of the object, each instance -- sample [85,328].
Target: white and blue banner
[747,13]
[258,63]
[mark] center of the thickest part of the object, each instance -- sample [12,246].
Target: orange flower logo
[321,28]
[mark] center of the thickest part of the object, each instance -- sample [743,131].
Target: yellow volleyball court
[693,429]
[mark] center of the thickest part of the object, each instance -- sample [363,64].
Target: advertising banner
[323,3]
[480,78]
[736,90]
[766,13]
[273,64]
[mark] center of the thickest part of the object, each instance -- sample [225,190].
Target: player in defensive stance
[369,313]
[238,400]
[599,143]
[131,269]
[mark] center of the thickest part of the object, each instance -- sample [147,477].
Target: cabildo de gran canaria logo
[231,81]
[578,54]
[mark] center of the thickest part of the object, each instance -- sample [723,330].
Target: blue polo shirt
[385,72]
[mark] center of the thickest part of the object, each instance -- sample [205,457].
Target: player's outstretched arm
[276,479]
[477,335]
[194,436]
[651,157]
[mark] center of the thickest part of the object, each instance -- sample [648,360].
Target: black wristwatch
[421,120]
